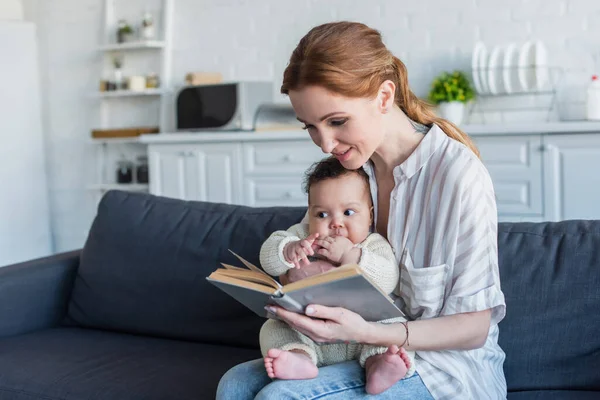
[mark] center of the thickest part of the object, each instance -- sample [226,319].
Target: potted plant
[124,31]
[117,60]
[450,92]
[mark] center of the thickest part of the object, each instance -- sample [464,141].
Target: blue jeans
[344,381]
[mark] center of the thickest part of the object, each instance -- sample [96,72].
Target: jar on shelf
[152,81]
[148,31]
[124,171]
[142,175]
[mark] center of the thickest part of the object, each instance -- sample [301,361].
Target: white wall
[24,225]
[11,10]
[253,39]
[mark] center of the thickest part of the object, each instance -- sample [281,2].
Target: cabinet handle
[287,158]
[287,195]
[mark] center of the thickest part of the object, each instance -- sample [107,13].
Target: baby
[340,215]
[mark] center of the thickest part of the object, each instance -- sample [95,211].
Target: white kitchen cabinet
[274,171]
[515,166]
[202,172]
[289,157]
[274,191]
[572,176]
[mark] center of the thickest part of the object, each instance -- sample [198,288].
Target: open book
[345,286]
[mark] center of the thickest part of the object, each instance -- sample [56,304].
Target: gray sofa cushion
[75,364]
[144,265]
[550,276]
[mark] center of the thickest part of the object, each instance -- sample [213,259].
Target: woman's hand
[326,324]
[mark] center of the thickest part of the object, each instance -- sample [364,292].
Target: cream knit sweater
[378,262]
[377,258]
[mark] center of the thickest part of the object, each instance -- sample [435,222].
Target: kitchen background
[253,40]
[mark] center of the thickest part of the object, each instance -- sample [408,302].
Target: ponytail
[422,112]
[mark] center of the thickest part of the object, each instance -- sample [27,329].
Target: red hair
[350,59]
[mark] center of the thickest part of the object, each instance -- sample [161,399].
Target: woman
[434,202]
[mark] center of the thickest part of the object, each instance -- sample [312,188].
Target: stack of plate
[510,68]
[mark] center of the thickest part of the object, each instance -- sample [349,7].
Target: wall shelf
[140,45]
[128,93]
[116,140]
[142,56]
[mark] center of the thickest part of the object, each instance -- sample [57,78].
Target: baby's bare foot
[384,370]
[284,364]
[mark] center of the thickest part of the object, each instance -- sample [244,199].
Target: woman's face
[351,129]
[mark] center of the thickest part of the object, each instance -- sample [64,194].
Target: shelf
[128,93]
[142,45]
[124,140]
[134,187]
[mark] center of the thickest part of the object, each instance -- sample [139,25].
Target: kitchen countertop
[299,134]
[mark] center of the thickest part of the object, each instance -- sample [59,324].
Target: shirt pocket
[422,289]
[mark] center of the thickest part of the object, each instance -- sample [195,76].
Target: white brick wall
[254,38]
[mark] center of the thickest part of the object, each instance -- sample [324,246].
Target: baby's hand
[334,248]
[297,252]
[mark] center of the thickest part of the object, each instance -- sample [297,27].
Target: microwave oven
[221,106]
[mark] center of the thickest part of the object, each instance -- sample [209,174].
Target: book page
[254,268]
[248,275]
[220,277]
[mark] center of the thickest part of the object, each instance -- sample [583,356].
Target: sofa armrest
[34,294]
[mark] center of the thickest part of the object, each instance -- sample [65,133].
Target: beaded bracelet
[406,342]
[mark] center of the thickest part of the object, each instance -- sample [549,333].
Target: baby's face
[340,207]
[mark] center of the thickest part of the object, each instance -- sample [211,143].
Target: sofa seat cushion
[554,395]
[75,363]
[144,266]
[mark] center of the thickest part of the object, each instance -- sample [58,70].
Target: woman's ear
[371,215]
[386,96]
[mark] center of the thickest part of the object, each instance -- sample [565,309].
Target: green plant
[124,29]
[451,87]
[117,60]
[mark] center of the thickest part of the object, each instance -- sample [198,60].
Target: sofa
[131,316]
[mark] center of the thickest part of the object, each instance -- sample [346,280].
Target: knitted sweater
[377,258]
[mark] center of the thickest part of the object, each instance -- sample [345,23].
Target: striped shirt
[442,226]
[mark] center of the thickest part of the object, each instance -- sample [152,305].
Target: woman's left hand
[326,324]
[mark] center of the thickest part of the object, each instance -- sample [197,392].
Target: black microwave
[221,106]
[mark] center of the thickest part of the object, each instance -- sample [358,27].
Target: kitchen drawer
[515,166]
[280,158]
[274,191]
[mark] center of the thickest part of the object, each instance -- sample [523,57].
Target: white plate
[493,72]
[483,70]
[479,47]
[542,73]
[527,67]
[510,78]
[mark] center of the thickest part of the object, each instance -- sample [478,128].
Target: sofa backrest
[144,264]
[550,276]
